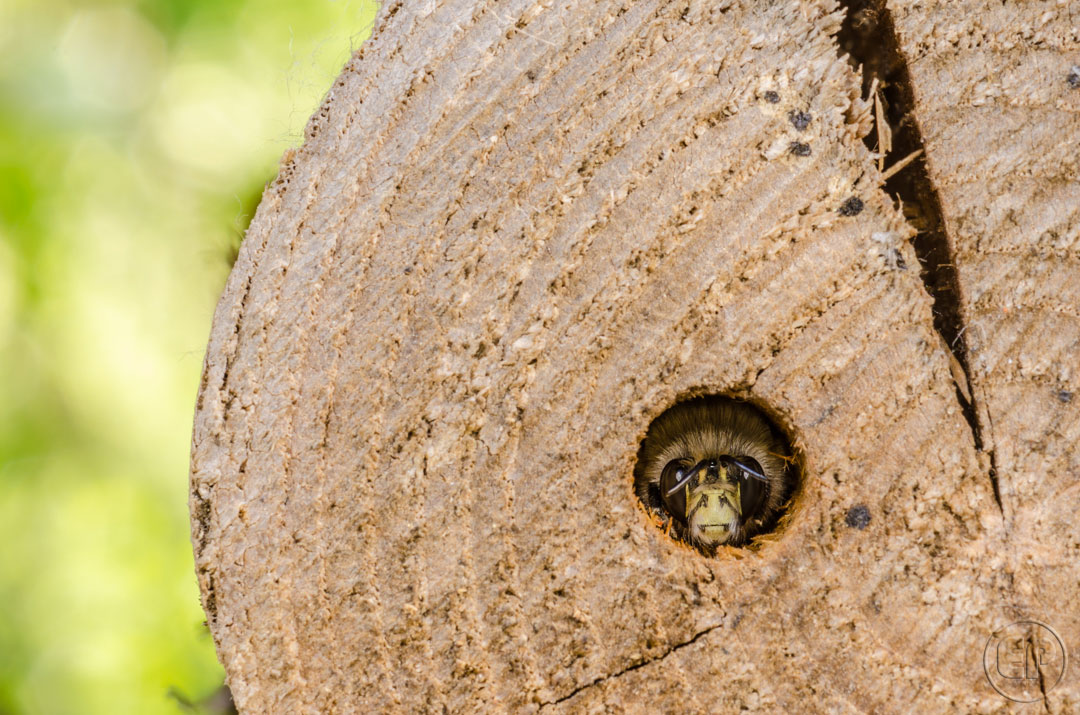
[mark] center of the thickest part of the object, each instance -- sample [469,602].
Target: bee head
[713,498]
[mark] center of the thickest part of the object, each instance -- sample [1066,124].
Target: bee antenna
[749,470]
[684,477]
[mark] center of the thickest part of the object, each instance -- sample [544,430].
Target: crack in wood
[868,36]
[604,678]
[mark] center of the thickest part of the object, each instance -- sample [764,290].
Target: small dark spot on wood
[408,270]
[202,518]
[858,517]
[799,120]
[895,259]
[1065,396]
[852,207]
[772,97]
[1074,77]
[531,75]
[799,149]
[210,599]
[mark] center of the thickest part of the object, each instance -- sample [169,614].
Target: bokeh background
[135,142]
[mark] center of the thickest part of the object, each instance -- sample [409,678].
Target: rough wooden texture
[515,234]
[997,97]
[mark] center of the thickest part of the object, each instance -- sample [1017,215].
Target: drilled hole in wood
[717,472]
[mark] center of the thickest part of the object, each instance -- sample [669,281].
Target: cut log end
[513,238]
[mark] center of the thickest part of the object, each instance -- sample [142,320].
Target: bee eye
[753,487]
[674,472]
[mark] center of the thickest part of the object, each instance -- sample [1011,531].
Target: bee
[713,470]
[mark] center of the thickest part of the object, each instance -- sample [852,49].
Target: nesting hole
[718,472]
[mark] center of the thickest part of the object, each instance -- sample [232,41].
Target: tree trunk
[516,233]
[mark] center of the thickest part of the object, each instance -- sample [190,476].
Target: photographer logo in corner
[1024,660]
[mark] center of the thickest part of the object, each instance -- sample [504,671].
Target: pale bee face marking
[713,510]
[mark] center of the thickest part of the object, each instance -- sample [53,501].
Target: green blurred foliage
[135,140]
